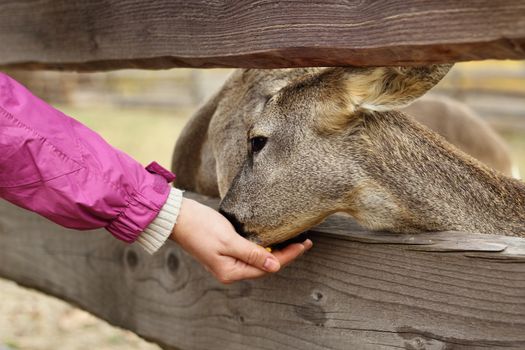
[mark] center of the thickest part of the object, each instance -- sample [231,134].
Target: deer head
[300,145]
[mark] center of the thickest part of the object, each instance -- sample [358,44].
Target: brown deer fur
[463,128]
[334,142]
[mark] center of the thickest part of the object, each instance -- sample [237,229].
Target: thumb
[253,254]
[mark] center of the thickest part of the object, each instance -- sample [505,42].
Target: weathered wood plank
[104,34]
[354,290]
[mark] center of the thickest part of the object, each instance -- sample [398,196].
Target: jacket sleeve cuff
[159,230]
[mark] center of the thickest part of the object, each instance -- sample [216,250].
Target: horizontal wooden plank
[113,34]
[354,290]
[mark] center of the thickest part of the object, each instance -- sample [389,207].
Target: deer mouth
[255,238]
[300,238]
[237,225]
[297,239]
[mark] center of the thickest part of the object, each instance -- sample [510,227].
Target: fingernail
[271,265]
[308,244]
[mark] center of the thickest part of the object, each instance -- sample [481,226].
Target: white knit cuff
[159,230]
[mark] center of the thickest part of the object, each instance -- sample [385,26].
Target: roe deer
[463,128]
[286,148]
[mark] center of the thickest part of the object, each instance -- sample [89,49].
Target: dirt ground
[33,321]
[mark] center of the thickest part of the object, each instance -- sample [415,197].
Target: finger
[241,271]
[308,244]
[292,252]
[252,254]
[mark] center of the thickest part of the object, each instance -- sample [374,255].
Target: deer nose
[239,227]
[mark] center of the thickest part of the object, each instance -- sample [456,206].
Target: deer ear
[386,88]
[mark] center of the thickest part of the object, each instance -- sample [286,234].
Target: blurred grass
[516,141]
[145,134]
[503,77]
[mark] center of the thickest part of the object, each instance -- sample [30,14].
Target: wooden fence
[355,289]
[112,34]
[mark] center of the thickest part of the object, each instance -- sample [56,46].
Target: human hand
[211,239]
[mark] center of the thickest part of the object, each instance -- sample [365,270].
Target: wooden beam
[114,34]
[354,290]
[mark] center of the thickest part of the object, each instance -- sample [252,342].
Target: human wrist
[159,230]
[184,218]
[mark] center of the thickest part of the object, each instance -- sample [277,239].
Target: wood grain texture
[354,290]
[113,34]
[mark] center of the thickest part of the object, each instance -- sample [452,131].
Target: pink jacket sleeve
[57,167]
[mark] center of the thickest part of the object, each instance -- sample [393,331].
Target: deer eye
[257,143]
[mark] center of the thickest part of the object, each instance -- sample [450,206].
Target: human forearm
[55,166]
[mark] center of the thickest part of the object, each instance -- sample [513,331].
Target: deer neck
[413,180]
